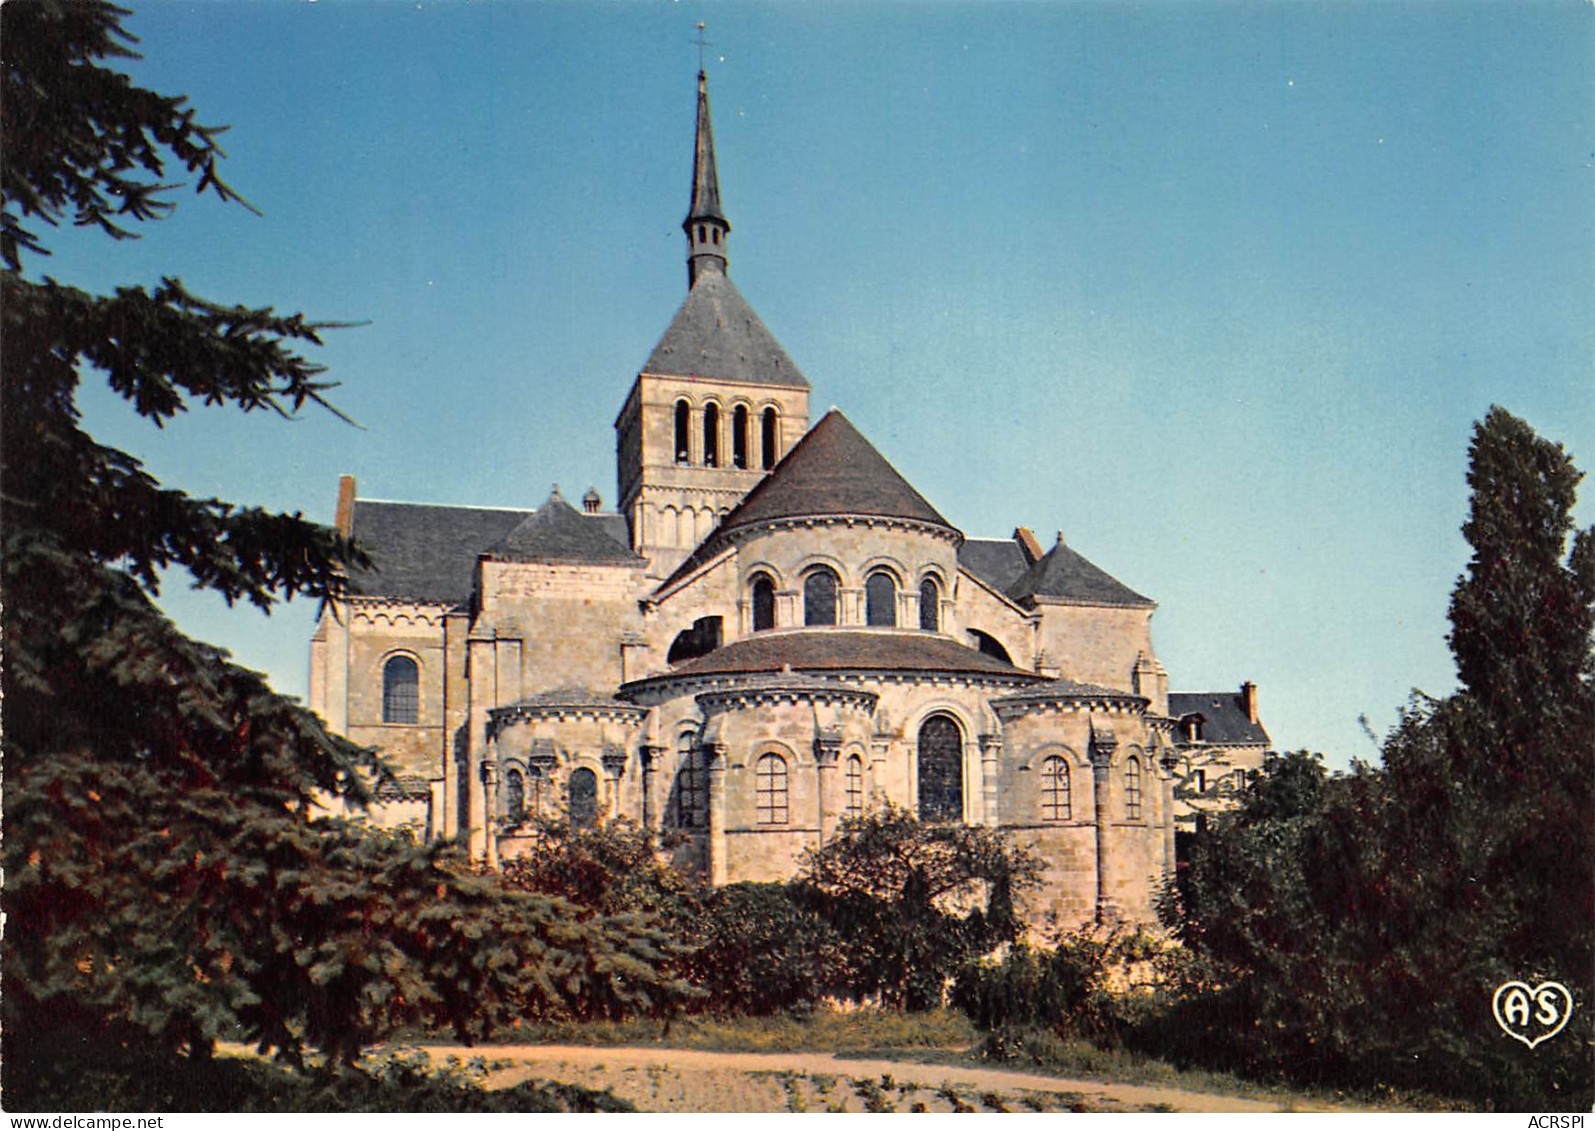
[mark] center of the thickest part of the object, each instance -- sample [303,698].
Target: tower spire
[706,226]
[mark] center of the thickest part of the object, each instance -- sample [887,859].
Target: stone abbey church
[771,632]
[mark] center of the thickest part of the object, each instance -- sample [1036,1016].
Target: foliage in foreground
[914,902]
[166,884]
[1358,925]
[78,1078]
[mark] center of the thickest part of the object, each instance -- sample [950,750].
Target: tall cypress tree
[1365,925]
[166,882]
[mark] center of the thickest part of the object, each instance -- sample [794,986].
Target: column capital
[614,761]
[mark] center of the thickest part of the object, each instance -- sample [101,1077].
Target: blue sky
[1217,289]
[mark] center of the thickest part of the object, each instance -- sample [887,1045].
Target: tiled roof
[557,532]
[833,470]
[423,552]
[717,334]
[831,649]
[999,562]
[1224,718]
[1065,689]
[1065,575]
[570,697]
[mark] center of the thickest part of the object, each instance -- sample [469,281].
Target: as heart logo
[1532,1015]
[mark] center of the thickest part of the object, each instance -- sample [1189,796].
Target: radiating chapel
[772,632]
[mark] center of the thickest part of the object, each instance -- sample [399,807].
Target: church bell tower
[718,402]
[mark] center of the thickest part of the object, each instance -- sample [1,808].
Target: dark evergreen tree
[1362,922]
[166,879]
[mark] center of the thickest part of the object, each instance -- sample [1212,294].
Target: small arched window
[771,429]
[770,790]
[401,691]
[583,802]
[763,603]
[930,605]
[880,600]
[819,597]
[702,233]
[855,786]
[711,435]
[1055,800]
[739,436]
[1132,788]
[683,432]
[514,797]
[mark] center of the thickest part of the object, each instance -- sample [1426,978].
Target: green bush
[763,950]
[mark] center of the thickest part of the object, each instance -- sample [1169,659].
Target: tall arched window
[691,796]
[711,435]
[683,432]
[770,790]
[930,605]
[1055,800]
[880,600]
[819,597]
[514,797]
[771,437]
[739,436]
[941,770]
[855,786]
[763,603]
[401,691]
[1132,788]
[583,798]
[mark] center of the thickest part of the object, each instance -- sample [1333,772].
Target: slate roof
[557,532]
[1065,689]
[705,178]
[833,470]
[999,562]
[1223,713]
[1063,574]
[424,552]
[831,649]
[717,334]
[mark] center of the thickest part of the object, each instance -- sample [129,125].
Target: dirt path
[664,1079]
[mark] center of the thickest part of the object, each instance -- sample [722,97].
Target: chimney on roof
[1027,542]
[344,519]
[1249,699]
[591,501]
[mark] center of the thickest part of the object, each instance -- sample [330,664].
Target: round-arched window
[514,797]
[1132,788]
[930,605]
[583,800]
[1055,799]
[855,786]
[763,603]
[941,770]
[880,600]
[711,436]
[683,432]
[770,437]
[819,597]
[401,691]
[770,795]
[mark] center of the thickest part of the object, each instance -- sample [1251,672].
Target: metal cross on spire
[701,44]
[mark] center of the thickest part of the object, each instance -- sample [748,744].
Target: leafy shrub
[763,950]
[913,902]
